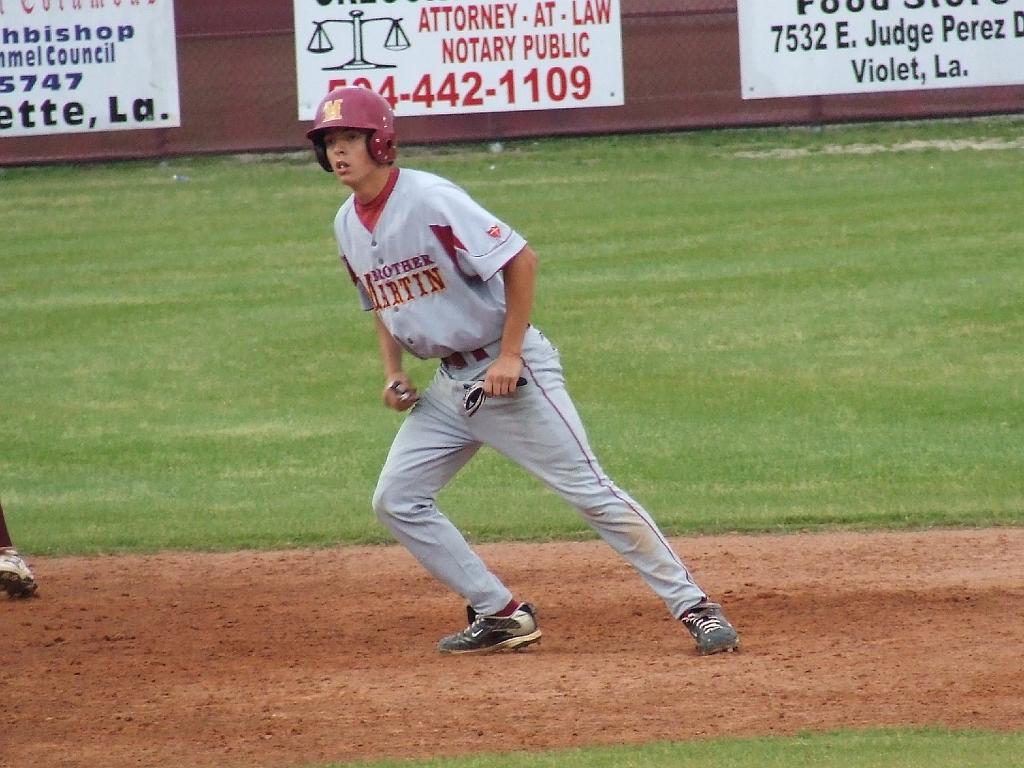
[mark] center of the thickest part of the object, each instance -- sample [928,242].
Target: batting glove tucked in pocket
[475,395]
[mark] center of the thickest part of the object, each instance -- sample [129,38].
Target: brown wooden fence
[236,65]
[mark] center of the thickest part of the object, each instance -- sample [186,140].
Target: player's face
[348,156]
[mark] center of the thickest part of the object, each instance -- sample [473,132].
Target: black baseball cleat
[710,629]
[487,634]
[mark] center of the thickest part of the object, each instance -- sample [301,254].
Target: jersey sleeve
[483,243]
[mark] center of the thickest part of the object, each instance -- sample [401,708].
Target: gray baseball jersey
[431,270]
[431,267]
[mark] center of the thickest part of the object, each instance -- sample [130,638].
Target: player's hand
[399,393]
[503,375]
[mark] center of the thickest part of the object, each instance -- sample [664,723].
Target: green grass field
[757,339]
[868,749]
[764,330]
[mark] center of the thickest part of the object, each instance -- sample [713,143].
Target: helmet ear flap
[381,147]
[320,150]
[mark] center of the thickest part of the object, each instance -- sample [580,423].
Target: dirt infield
[285,658]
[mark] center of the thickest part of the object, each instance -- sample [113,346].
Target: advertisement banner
[69,66]
[818,47]
[442,57]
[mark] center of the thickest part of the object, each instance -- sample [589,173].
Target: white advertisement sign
[68,66]
[440,57]
[817,47]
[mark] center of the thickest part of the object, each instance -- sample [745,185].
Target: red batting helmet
[354,107]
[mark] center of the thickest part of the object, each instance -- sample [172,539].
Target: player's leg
[540,429]
[430,447]
[16,577]
[542,432]
[549,441]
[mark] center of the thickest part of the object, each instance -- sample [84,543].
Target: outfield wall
[237,84]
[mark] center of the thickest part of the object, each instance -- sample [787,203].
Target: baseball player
[15,577]
[446,279]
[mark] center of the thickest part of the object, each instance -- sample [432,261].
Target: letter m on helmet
[331,110]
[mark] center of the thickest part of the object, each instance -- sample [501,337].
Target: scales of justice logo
[395,40]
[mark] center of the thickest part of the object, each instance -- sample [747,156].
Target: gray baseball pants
[539,429]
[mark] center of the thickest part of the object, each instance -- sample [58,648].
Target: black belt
[458,359]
